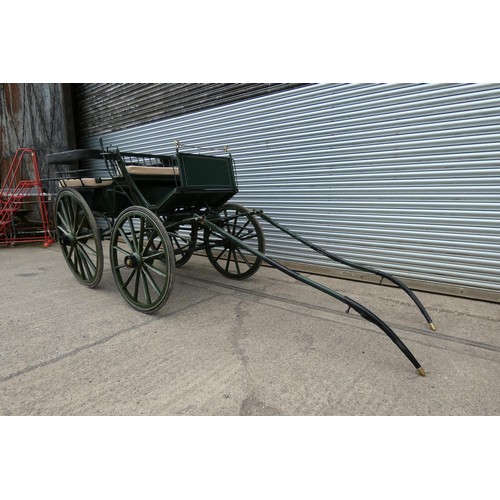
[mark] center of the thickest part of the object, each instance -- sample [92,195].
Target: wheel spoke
[88,236]
[249,236]
[84,258]
[70,253]
[151,280]
[69,213]
[183,239]
[87,259]
[125,237]
[236,261]
[175,242]
[120,249]
[141,236]
[234,225]
[134,236]
[242,228]
[64,222]
[137,283]
[82,221]
[63,215]
[63,230]
[145,287]
[228,261]
[79,265]
[159,272]
[220,255]
[74,209]
[153,256]
[129,279]
[150,242]
[243,257]
[87,248]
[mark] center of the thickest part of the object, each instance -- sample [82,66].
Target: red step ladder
[17,197]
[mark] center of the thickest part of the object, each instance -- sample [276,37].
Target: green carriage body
[165,184]
[152,209]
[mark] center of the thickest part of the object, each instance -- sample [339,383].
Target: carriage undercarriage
[157,211]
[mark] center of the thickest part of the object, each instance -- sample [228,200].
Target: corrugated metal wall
[404,177]
[103,107]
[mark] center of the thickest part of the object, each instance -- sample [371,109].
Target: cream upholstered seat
[85,182]
[98,182]
[144,170]
[131,169]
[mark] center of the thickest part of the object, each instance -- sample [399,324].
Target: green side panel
[106,201]
[206,172]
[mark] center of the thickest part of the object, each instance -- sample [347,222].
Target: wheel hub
[132,261]
[68,240]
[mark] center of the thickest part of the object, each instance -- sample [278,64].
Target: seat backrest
[206,172]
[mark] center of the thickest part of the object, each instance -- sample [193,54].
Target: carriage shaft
[354,265]
[364,312]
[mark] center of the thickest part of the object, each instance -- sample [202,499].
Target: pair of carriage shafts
[352,304]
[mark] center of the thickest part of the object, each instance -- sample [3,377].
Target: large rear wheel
[79,237]
[142,259]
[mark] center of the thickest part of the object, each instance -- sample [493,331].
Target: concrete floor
[264,346]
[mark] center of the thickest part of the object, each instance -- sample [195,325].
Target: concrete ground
[264,346]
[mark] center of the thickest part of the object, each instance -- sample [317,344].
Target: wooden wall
[34,115]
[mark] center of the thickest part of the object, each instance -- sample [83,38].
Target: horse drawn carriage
[157,211]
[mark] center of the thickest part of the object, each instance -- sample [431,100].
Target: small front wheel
[142,259]
[229,258]
[183,239]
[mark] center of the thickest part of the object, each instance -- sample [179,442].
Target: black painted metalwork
[364,312]
[348,263]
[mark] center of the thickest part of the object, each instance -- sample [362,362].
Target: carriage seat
[89,182]
[100,182]
[144,170]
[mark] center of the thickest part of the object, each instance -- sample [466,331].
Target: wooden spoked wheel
[183,239]
[79,237]
[142,259]
[228,258]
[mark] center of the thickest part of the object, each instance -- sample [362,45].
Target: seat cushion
[142,170]
[85,182]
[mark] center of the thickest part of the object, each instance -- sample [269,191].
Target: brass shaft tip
[421,372]
[432,327]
